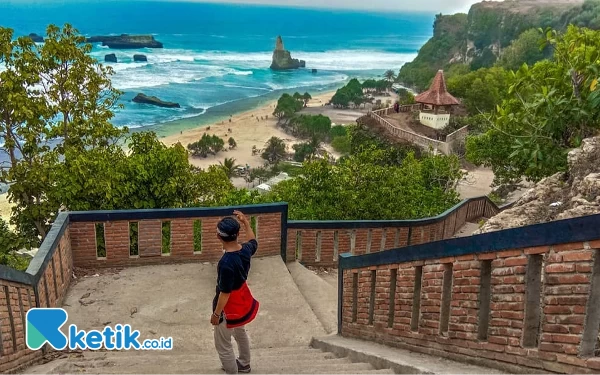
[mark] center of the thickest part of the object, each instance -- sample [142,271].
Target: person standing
[234,306]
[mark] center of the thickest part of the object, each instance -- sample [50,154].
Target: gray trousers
[225,348]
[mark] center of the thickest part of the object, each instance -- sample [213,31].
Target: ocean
[216,57]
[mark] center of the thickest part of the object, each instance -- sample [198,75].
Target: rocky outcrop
[140,58]
[112,58]
[126,41]
[561,196]
[314,71]
[282,59]
[36,38]
[153,100]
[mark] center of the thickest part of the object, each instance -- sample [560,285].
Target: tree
[341,144]
[287,106]
[207,145]
[549,109]
[353,188]
[10,242]
[228,165]
[524,50]
[261,174]
[232,143]
[481,91]
[306,97]
[275,150]
[390,75]
[405,97]
[56,101]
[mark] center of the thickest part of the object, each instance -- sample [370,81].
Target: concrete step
[286,360]
[399,360]
[281,366]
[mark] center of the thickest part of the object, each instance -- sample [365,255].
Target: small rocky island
[36,38]
[153,100]
[282,59]
[112,58]
[126,41]
[140,58]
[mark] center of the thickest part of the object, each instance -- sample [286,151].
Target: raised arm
[246,223]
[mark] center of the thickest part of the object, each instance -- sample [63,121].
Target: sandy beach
[251,128]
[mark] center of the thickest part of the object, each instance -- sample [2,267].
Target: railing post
[340,294]
[284,219]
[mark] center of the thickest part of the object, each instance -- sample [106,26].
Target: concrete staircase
[285,360]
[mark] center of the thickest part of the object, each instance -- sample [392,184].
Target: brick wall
[56,277]
[535,307]
[120,247]
[319,243]
[15,300]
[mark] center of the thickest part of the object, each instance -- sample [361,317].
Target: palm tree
[228,165]
[275,150]
[390,75]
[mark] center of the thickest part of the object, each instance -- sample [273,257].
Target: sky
[437,6]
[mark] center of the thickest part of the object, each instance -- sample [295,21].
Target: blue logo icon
[43,326]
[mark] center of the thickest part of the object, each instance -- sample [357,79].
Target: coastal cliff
[125,41]
[478,39]
[282,59]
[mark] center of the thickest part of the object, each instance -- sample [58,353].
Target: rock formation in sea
[140,58]
[566,195]
[36,38]
[282,59]
[314,71]
[126,41]
[153,100]
[111,57]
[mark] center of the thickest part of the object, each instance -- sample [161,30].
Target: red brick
[560,268]
[568,279]
[537,250]
[519,261]
[509,253]
[575,256]
[595,244]
[568,246]
[487,256]
[593,363]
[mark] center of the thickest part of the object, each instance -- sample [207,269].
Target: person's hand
[214,320]
[240,216]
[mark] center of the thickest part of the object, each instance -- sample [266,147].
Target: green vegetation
[228,166]
[208,144]
[524,50]
[10,242]
[232,143]
[405,97]
[500,33]
[449,38]
[482,90]
[548,109]
[287,106]
[353,188]
[275,150]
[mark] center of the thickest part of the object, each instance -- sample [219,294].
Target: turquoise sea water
[216,57]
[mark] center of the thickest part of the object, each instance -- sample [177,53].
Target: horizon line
[380,11]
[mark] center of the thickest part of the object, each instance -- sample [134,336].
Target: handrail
[353,224]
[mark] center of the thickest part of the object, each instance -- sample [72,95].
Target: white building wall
[434,121]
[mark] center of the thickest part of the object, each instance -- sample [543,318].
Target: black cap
[228,229]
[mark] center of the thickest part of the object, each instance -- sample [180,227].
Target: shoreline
[249,128]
